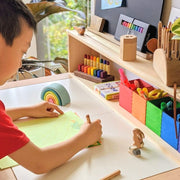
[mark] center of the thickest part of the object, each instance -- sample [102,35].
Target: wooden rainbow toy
[56,93]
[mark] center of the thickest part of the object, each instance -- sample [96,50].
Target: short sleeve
[11,138]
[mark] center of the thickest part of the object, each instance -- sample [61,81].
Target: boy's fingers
[56,108]
[52,114]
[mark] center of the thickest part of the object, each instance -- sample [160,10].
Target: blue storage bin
[168,132]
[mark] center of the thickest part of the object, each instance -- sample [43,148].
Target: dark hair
[11,14]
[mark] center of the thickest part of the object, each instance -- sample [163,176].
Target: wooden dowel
[88,119]
[175,118]
[116,173]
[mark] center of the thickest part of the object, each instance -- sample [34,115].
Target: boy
[16,30]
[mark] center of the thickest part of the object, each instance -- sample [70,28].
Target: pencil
[159,34]
[176,48]
[175,87]
[162,37]
[88,119]
[115,173]
[169,25]
[168,45]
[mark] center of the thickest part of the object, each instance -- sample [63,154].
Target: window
[52,36]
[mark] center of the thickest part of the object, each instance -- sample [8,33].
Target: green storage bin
[154,114]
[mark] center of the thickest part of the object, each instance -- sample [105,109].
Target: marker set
[132,26]
[95,66]
[108,90]
[94,69]
[143,31]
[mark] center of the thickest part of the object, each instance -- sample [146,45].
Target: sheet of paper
[109,4]
[174,14]
[47,131]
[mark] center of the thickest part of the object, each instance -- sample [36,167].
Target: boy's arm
[43,109]
[43,160]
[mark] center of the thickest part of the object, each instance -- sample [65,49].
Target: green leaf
[176,27]
[42,9]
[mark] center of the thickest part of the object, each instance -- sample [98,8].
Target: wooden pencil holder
[167,70]
[128,45]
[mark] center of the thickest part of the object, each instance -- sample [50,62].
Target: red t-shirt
[11,138]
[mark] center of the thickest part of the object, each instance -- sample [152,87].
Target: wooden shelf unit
[80,45]
[96,45]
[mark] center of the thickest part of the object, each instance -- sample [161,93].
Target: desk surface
[93,163]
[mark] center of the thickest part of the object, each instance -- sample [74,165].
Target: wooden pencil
[88,119]
[110,176]
[169,25]
[162,37]
[168,45]
[159,34]
[174,106]
[172,49]
[176,48]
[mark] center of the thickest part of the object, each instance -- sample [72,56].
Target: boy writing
[16,29]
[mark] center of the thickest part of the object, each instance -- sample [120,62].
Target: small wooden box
[168,70]
[128,44]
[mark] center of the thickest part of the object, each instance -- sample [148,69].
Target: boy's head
[11,13]
[16,30]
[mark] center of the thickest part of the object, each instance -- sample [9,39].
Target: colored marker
[79,67]
[108,67]
[85,59]
[92,71]
[101,64]
[89,70]
[97,62]
[94,61]
[104,65]
[85,69]
[91,61]
[141,30]
[88,60]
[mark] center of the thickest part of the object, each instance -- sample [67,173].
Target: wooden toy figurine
[80,30]
[138,138]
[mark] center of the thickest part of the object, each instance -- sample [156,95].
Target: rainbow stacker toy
[56,93]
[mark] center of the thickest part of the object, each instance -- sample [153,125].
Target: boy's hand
[45,109]
[91,132]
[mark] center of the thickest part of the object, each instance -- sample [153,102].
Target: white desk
[97,162]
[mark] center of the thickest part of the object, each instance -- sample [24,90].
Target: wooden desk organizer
[168,70]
